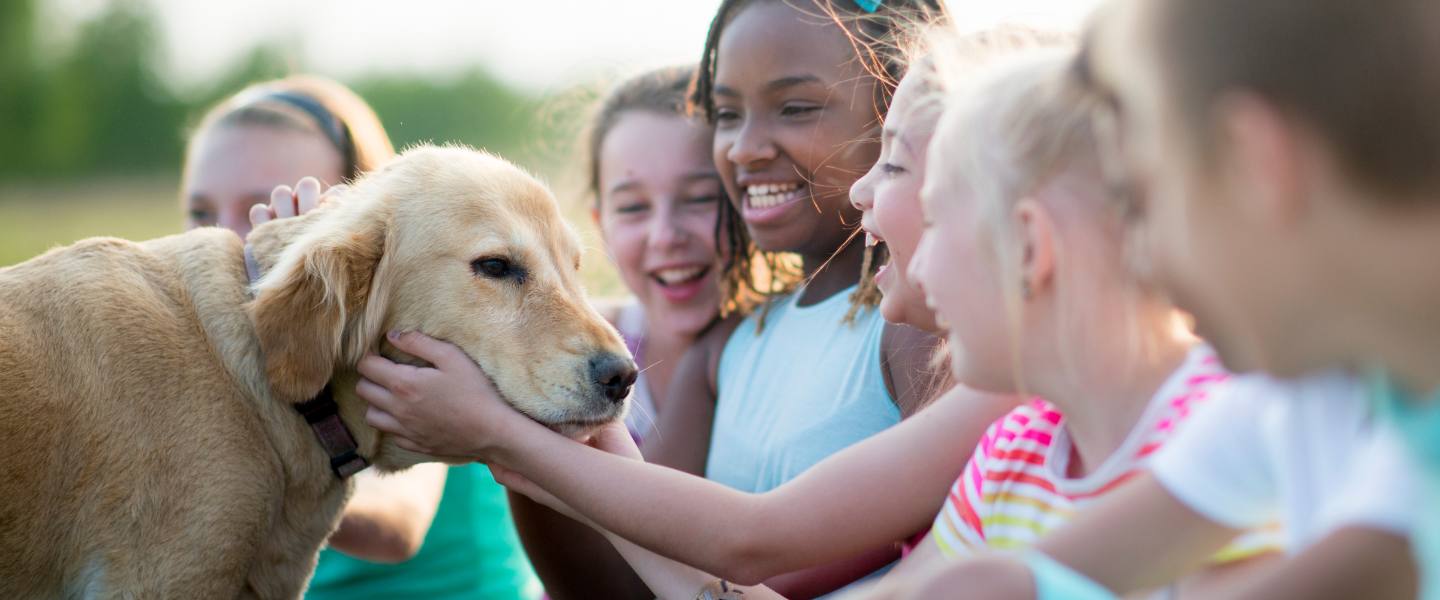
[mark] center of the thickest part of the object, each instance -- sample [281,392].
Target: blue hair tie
[868,6]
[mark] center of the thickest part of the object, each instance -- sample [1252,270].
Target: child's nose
[862,195]
[751,146]
[666,230]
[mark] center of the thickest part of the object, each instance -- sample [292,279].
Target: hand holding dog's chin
[615,438]
[451,409]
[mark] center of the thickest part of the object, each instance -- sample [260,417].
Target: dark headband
[333,128]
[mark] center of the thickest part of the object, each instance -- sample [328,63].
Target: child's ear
[1261,151]
[1035,229]
[310,309]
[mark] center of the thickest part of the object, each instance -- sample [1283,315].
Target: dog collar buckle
[323,416]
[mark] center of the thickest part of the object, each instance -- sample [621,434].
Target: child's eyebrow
[774,85]
[791,81]
[625,186]
[700,176]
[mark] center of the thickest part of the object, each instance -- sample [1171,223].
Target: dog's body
[149,447]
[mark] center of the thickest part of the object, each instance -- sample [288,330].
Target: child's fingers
[384,421]
[282,202]
[260,214]
[615,439]
[307,195]
[444,355]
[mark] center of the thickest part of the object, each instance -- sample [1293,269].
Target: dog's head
[462,246]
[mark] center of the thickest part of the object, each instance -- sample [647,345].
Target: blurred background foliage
[91,136]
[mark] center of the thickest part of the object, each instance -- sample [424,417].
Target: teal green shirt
[471,552]
[1418,421]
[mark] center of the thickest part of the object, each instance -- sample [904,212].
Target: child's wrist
[506,444]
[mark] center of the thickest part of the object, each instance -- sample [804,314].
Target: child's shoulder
[1031,423]
[1199,379]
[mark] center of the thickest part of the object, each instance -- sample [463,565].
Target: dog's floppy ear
[311,309]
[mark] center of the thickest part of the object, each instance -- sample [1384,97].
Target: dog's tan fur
[148,448]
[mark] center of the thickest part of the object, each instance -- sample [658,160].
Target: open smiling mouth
[876,244]
[680,275]
[770,195]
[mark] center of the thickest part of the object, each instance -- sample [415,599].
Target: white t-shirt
[1302,452]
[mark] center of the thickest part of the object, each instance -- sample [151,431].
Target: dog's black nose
[614,374]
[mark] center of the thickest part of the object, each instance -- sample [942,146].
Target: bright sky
[541,45]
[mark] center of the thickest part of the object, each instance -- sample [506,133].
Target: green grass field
[35,218]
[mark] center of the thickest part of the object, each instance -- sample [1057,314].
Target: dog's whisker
[649,417]
[642,371]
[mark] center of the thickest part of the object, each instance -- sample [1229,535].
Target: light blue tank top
[805,387]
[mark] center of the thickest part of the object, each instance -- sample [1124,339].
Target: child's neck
[1102,406]
[830,274]
[1390,314]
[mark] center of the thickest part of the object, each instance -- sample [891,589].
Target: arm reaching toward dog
[453,410]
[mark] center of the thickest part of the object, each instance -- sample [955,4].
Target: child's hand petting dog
[615,438]
[286,202]
[451,409]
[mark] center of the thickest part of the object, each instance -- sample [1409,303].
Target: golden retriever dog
[150,445]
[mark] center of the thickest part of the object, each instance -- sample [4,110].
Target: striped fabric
[1014,488]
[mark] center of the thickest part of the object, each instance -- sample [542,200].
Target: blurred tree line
[100,107]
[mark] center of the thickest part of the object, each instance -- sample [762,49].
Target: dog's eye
[496,268]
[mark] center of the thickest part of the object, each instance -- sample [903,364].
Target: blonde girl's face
[233,167]
[958,273]
[659,195]
[888,197]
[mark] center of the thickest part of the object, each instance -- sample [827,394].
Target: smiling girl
[796,112]
[807,521]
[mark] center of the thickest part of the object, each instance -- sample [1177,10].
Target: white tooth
[678,274]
